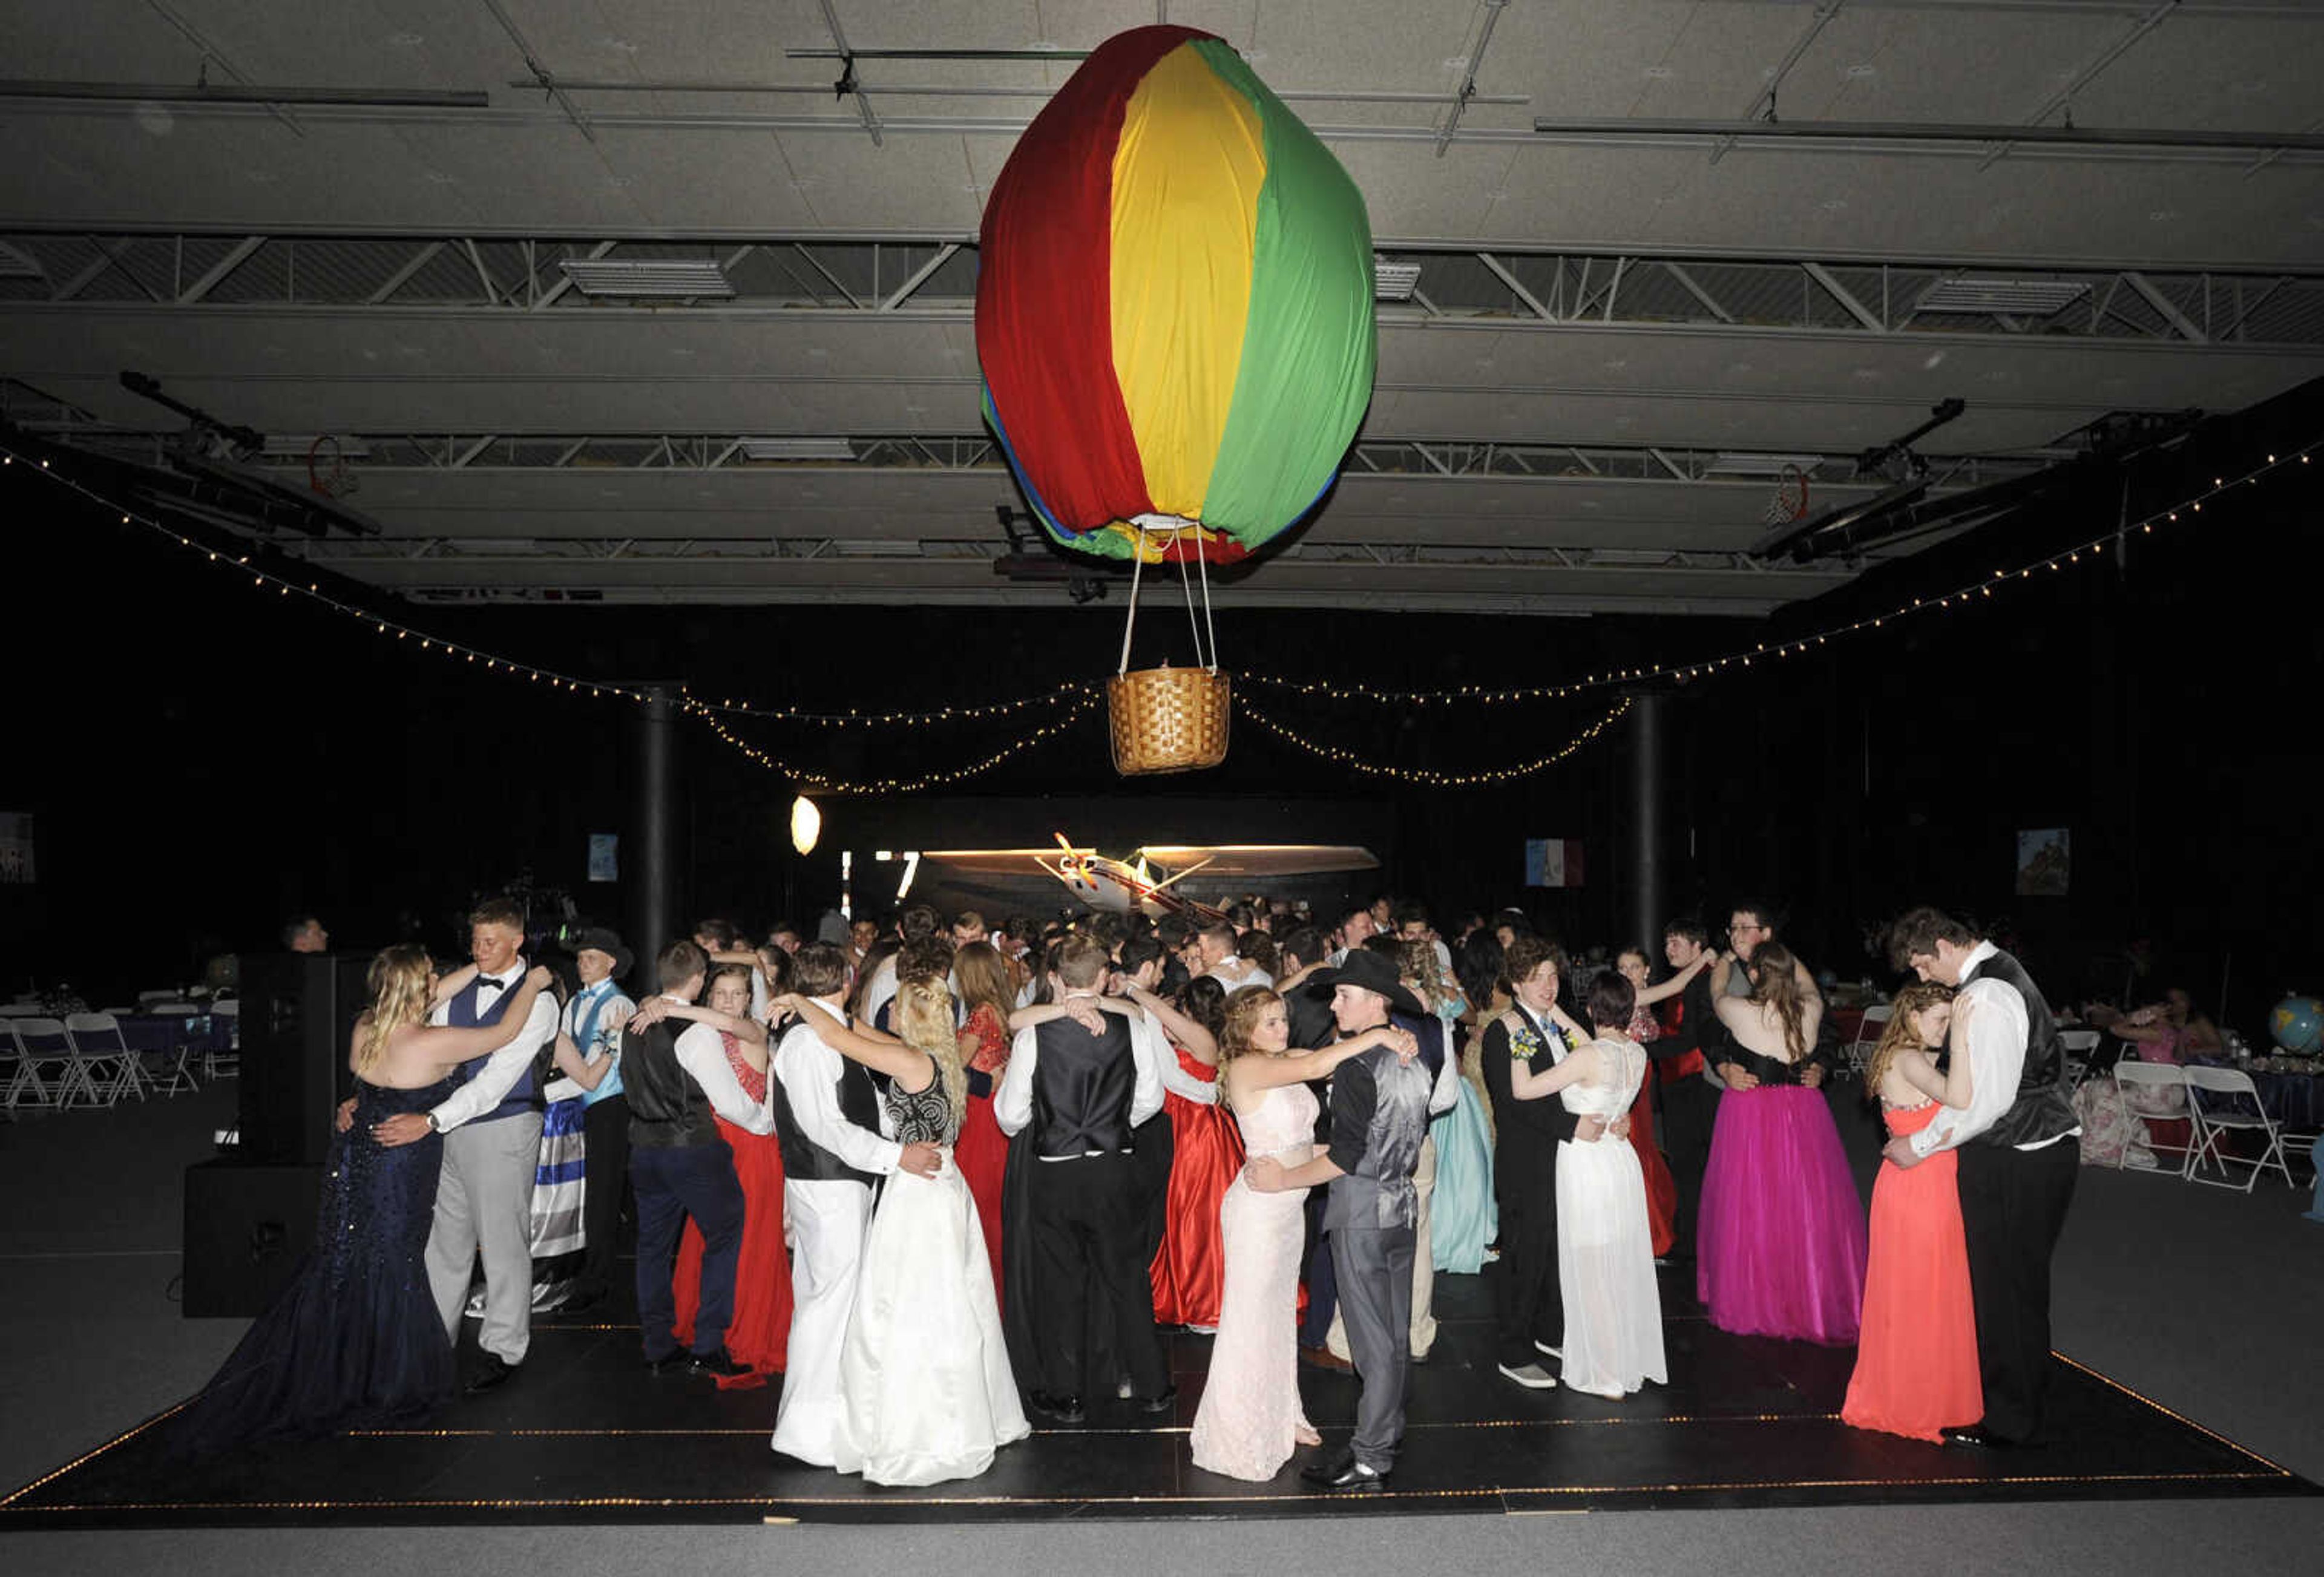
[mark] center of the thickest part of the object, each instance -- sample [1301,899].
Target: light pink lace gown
[1250,1417]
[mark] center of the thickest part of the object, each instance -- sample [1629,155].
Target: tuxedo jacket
[1526,1133]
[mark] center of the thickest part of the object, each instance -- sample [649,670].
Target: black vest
[668,1109]
[525,1095]
[1082,1087]
[2044,1106]
[804,1161]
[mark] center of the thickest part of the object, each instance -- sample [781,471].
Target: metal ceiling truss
[470,554]
[366,453]
[933,279]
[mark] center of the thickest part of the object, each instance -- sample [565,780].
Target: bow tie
[493,982]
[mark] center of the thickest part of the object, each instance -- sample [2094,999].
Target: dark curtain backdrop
[204,758]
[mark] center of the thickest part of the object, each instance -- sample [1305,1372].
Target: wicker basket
[1167,719]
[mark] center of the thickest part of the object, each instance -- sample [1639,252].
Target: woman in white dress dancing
[1605,1251]
[924,1379]
[1249,1419]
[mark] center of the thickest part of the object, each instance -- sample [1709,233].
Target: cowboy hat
[1372,971]
[597,938]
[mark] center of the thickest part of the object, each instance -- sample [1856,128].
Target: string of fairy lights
[733,709]
[1427,776]
[825,784]
[1071,702]
[266,578]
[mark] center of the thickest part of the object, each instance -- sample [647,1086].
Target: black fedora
[601,940]
[1372,972]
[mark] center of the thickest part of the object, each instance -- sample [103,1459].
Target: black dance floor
[586,1436]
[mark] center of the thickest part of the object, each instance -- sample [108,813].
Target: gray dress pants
[1373,1266]
[484,1200]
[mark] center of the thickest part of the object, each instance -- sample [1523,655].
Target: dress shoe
[493,1371]
[721,1364]
[1160,1402]
[1344,1475]
[671,1362]
[1325,1358]
[1064,1410]
[1531,1376]
[1978,1437]
[1546,1350]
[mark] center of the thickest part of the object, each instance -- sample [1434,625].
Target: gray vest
[1379,1192]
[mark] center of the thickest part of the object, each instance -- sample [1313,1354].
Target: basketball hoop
[1790,502]
[326,468]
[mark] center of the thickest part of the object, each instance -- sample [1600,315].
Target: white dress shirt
[1157,1066]
[501,1070]
[810,1071]
[1994,1030]
[880,991]
[702,1052]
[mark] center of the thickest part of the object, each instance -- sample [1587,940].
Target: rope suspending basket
[1169,719]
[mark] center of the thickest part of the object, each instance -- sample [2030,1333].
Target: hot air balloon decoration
[1175,323]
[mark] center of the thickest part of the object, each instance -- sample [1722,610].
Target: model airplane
[1147,882]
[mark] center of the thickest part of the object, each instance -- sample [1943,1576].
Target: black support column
[652,883]
[1646,913]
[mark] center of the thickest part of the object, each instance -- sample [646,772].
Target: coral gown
[1916,1358]
[982,1151]
[759,1334]
[1206,1155]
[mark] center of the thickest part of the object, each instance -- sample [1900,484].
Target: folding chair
[46,1045]
[2212,1122]
[185,1041]
[1868,1035]
[19,1069]
[222,1051]
[2077,1044]
[108,1067]
[2157,1075]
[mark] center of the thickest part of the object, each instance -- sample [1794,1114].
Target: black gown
[354,1341]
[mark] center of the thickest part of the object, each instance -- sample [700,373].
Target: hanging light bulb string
[267,577]
[824,783]
[1356,761]
[864,719]
[1699,668]
[1082,695]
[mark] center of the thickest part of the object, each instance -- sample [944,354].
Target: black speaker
[247,1227]
[298,1010]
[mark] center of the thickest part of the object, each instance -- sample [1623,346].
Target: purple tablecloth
[162,1034]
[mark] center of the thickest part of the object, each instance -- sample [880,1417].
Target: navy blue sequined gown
[355,1341]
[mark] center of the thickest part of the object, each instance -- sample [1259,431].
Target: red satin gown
[760,1332]
[1662,1188]
[1189,1270]
[982,1150]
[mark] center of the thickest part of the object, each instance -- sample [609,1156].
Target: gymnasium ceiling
[1617,334]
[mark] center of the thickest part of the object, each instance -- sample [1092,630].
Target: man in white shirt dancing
[830,1120]
[2020,1154]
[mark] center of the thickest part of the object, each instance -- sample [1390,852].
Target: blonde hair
[924,1021]
[1244,1011]
[1901,1033]
[400,980]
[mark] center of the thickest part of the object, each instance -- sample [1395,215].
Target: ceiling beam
[2167,307]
